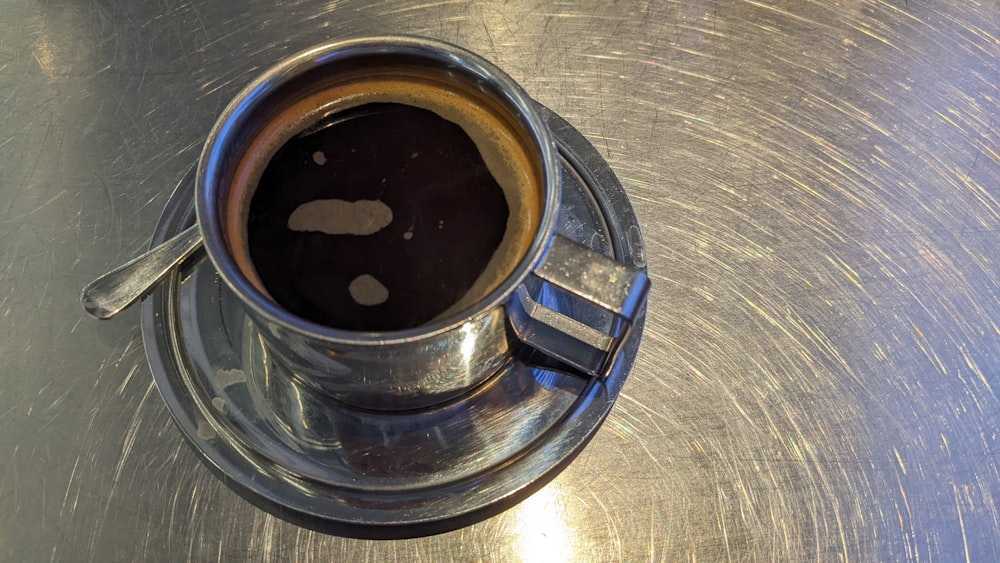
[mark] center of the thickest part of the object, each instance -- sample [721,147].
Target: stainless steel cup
[422,366]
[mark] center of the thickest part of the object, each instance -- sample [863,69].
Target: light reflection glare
[468,343]
[542,531]
[44,54]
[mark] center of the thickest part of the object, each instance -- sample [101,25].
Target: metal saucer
[342,470]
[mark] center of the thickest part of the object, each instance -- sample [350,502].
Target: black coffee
[379,218]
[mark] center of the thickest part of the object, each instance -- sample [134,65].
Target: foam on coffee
[498,142]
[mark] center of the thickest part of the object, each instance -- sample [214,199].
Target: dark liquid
[448,216]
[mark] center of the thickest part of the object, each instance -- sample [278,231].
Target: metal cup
[596,298]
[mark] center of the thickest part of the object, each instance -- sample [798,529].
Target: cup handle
[593,283]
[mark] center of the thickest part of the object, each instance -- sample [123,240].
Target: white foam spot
[408,235]
[441,224]
[319,158]
[339,217]
[228,377]
[205,430]
[368,291]
[414,155]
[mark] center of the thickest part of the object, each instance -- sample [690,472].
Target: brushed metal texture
[819,190]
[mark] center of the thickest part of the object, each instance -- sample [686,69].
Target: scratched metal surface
[819,187]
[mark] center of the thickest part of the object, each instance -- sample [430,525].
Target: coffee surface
[380,218]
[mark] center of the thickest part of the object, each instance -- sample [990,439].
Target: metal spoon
[113,292]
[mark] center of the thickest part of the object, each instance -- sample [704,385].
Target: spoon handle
[111,293]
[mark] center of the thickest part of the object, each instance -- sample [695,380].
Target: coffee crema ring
[383,221]
[437,169]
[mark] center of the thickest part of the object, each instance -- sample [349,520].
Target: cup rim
[227,125]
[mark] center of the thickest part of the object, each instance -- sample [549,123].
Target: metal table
[819,188]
